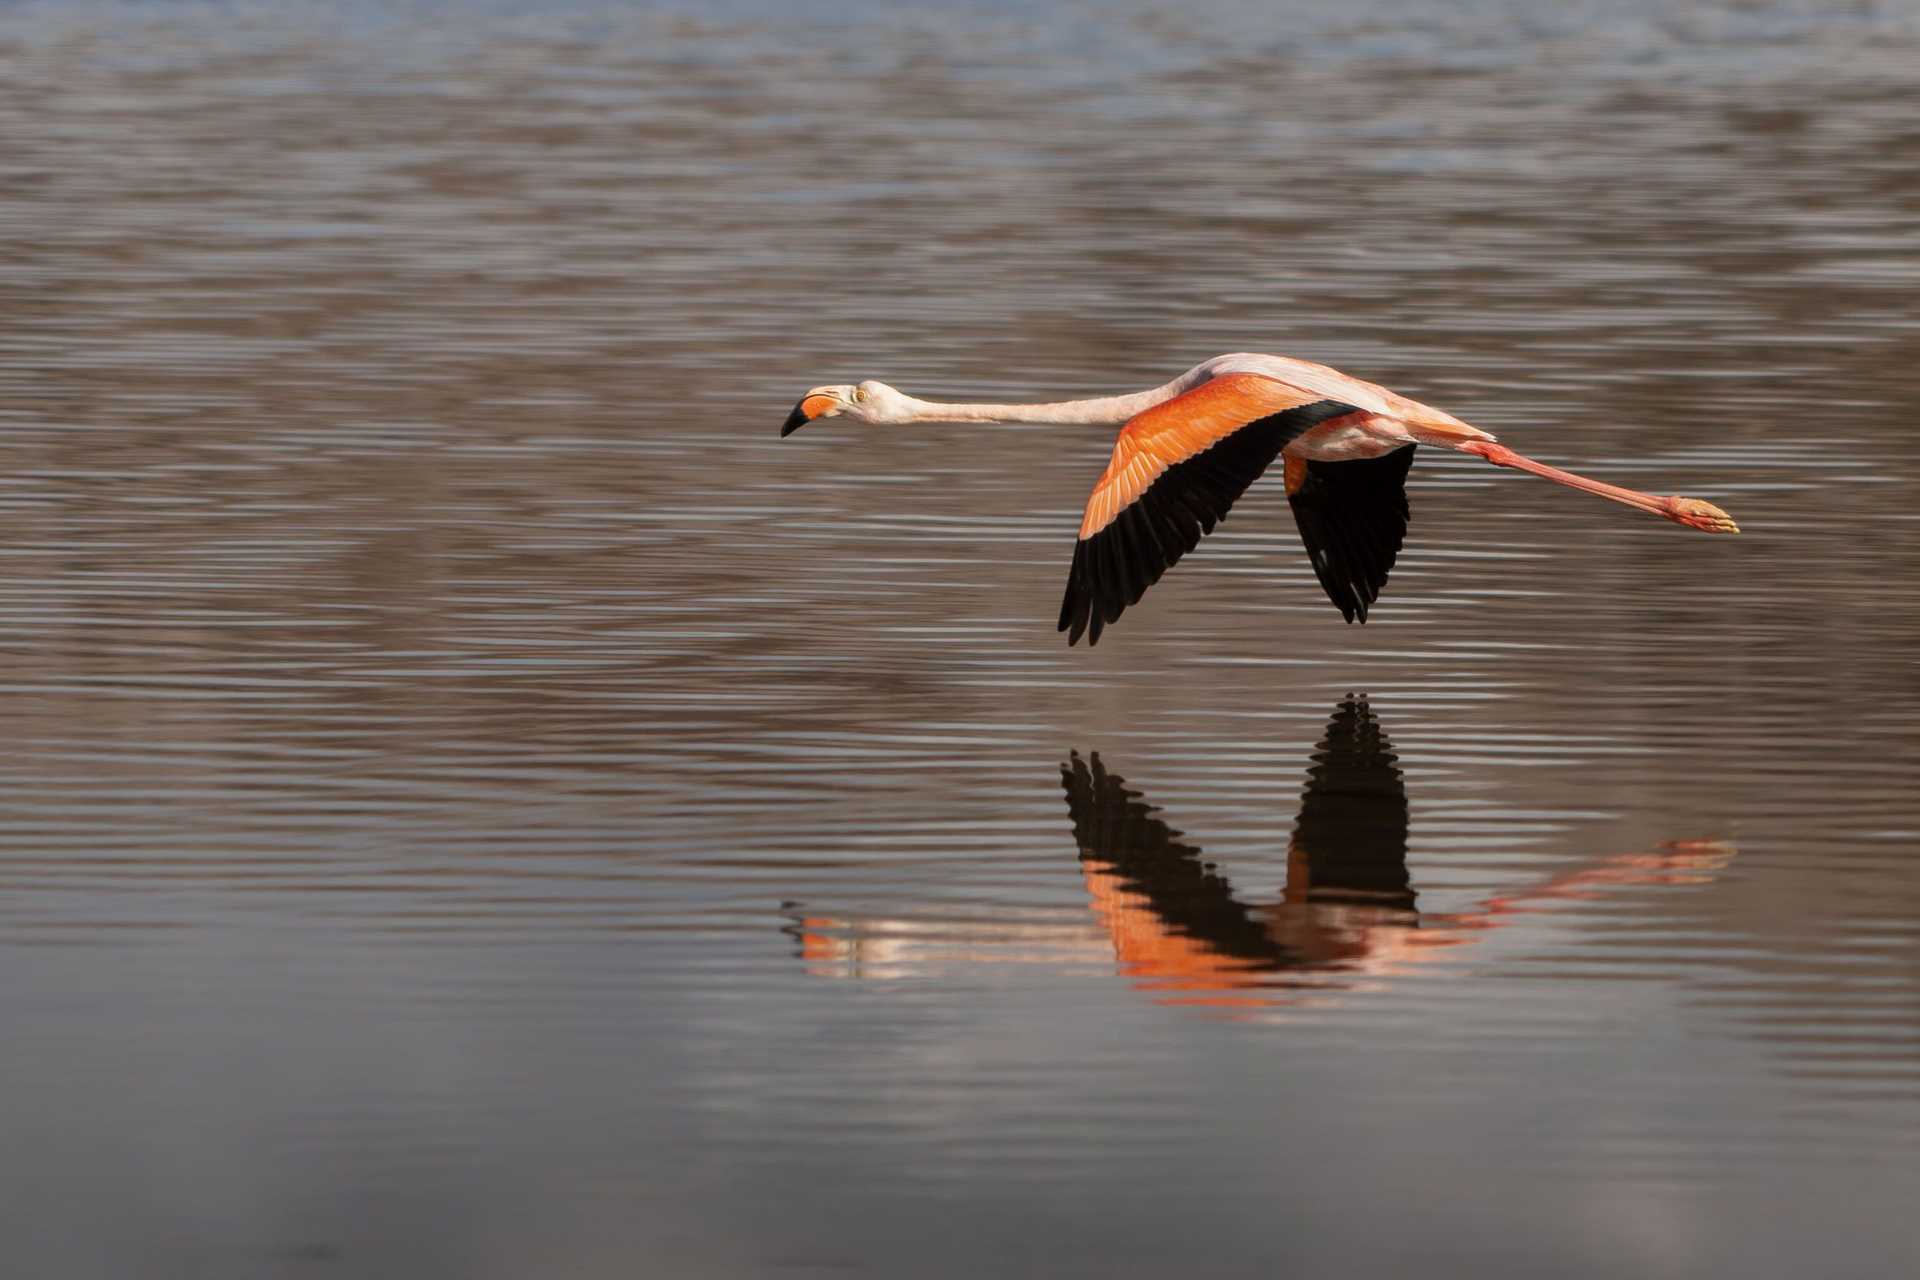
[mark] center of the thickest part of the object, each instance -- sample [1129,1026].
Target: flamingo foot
[1696,514]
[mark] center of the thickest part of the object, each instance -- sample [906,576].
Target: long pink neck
[1104,411]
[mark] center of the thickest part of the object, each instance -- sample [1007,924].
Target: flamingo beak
[809,408]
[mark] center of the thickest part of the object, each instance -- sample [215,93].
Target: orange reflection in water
[1346,916]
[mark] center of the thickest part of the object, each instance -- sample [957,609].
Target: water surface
[478,804]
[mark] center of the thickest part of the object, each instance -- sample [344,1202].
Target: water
[478,804]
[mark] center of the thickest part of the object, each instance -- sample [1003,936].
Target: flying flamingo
[1189,448]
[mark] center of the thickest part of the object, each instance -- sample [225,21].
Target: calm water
[477,804]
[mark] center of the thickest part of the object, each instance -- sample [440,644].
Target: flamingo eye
[859,395]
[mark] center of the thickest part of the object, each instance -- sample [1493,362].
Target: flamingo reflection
[1176,927]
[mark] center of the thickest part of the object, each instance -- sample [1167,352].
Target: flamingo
[1190,447]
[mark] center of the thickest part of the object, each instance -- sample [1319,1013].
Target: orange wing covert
[1176,470]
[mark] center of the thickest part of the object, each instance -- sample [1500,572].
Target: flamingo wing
[1176,470]
[1353,518]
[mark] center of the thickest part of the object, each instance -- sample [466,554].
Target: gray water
[479,804]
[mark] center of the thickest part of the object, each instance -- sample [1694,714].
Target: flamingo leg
[1691,512]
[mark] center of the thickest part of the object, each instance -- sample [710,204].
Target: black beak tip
[795,420]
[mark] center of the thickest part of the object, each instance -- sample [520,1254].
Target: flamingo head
[869,402]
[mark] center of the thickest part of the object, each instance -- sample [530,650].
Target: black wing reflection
[1121,833]
[1174,918]
[1350,841]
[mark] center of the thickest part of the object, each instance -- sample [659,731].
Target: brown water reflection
[427,678]
[1345,919]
